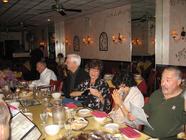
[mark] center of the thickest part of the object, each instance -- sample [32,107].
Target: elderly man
[166,107]
[75,76]
[45,74]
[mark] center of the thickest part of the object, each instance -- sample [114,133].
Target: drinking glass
[44,117]
[58,114]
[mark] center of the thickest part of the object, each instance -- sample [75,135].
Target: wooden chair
[56,85]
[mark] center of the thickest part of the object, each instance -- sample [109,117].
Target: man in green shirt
[166,107]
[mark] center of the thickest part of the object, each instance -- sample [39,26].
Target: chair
[151,81]
[56,85]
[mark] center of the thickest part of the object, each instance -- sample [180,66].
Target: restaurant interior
[142,37]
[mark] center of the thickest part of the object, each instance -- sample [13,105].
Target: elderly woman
[94,92]
[126,93]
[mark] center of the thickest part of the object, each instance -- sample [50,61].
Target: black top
[72,81]
[92,101]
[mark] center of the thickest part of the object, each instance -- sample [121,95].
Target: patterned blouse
[92,101]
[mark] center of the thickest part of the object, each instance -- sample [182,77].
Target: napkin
[99,114]
[69,100]
[71,105]
[130,132]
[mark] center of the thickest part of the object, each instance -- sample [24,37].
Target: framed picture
[76,43]
[103,42]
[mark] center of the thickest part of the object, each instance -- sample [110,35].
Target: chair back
[151,81]
[56,85]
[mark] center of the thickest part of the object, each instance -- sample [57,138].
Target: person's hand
[116,97]
[95,92]
[131,117]
[76,93]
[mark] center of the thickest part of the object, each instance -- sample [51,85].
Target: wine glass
[44,117]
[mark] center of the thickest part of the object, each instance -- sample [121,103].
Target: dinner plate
[111,127]
[84,112]
[79,123]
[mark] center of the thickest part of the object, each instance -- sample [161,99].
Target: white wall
[177,53]
[112,21]
[170,16]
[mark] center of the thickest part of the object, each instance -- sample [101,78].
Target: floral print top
[92,101]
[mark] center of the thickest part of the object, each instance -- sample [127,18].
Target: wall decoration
[103,42]
[181,54]
[76,43]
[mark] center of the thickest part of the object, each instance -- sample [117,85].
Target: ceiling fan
[61,10]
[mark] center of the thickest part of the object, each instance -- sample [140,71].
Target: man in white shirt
[45,74]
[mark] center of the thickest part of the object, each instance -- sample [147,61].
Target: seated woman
[94,92]
[126,93]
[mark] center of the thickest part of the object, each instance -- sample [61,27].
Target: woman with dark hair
[126,93]
[94,92]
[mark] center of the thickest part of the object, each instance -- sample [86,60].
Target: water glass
[59,116]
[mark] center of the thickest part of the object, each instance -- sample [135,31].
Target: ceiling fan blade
[62,13]
[73,10]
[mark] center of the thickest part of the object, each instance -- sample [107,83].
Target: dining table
[93,124]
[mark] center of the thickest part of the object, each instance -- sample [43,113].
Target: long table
[93,124]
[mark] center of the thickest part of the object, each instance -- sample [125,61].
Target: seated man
[45,74]
[75,76]
[166,107]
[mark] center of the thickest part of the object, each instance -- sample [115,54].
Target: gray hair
[176,70]
[75,58]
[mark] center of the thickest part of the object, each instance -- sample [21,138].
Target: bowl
[56,95]
[15,104]
[84,112]
[52,129]
[111,127]
[100,119]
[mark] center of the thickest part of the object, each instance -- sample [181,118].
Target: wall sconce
[87,40]
[118,38]
[66,42]
[5,1]
[175,35]
[42,43]
[136,42]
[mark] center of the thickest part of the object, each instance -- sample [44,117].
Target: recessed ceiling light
[48,19]
[5,1]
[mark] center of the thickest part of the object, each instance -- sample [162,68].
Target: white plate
[111,127]
[84,112]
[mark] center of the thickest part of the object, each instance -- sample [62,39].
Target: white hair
[75,58]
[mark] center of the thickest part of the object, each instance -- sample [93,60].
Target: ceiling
[30,13]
